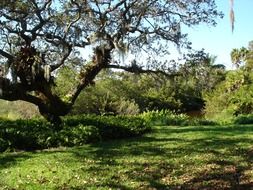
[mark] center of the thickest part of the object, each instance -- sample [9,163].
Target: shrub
[164,117]
[111,127]
[201,121]
[3,145]
[75,131]
[206,122]
[78,135]
[244,119]
[126,107]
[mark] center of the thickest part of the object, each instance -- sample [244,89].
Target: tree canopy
[38,37]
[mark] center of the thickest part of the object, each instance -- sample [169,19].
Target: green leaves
[170,118]
[76,131]
[231,97]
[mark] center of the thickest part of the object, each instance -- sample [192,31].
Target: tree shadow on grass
[228,130]
[227,176]
[158,173]
[10,159]
[163,160]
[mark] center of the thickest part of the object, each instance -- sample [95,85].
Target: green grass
[204,157]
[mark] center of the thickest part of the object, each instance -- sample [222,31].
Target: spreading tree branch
[138,70]
[6,55]
[101,59]
[66,52]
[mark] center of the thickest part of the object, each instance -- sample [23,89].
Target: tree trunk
[50,106]
[39,91]
[52,109]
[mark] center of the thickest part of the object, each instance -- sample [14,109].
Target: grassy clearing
[204,157]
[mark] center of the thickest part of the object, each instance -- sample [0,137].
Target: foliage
[199,157]
[4,145]
[78,135]
[243,57]
[232,96]
[170,118]
[244,119]
[118,93]
[201,72]
[76,131]
[164,117]
[239,56]
[124,93]
[126,107]
[107,96]
[39,37]
[112,127]
[66,78]
[202,122]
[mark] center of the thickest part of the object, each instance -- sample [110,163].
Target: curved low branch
[12,92]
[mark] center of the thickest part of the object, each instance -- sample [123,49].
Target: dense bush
[164,117]
[231,98]
[76,130]
[244,119]
[201,121]
[3,145]
[77,135]
[111,127]
[167,117]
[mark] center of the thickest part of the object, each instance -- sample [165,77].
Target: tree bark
[50,106]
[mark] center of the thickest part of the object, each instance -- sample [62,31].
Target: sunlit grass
[204,157]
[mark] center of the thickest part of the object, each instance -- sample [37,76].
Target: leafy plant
[77,130]
[164,117]
[111,127]
[3,145]
[244,119]
[78,135]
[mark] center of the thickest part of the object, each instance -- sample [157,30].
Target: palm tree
[240,56]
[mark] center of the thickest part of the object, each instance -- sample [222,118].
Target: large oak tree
[37,37]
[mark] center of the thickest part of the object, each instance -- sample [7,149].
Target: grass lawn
[204,157]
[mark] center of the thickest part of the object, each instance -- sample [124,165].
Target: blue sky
[220,40]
